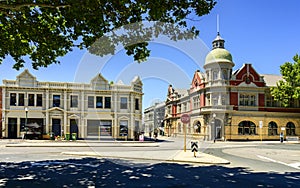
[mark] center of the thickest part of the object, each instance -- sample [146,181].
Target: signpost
[194,147]
[185,118]
[261,126]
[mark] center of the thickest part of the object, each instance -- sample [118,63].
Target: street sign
[185,118]
[194,146]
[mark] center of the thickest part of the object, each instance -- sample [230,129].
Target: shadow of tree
[93,172]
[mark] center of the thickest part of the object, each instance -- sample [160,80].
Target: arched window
[290,129]
[246,128]
[272,130]
[197,126]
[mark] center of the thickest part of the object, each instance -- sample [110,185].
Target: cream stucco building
[96,110]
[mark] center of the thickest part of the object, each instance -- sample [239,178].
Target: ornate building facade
[91,110]
[231,105]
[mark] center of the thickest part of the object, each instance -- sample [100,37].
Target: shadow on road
[92,172]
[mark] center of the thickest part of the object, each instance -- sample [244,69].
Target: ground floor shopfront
[100,126]
[237,125]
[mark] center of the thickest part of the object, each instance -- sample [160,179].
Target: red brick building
[231,105]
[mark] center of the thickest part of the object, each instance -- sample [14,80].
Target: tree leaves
[288,90]
[44,30]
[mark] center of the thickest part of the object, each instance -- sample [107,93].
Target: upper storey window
[215,75]
[123,103]
[13,99]
[56,100]
[247,99]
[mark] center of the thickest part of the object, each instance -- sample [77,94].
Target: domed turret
[218,54]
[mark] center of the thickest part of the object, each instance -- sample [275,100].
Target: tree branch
[19,6]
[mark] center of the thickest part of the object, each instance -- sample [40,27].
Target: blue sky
[264,33]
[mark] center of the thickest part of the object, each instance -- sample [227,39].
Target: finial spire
[218,25]
[218,42]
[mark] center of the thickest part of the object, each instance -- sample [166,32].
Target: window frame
[123,104]
[91,102]
[74,101]
[31,99]
[54,100]
[13,99]
[107,104]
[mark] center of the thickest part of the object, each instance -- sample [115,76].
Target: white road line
[293,165]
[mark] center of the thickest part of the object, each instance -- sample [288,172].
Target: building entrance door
[12,128]
[74,126]
[218,129]
[56,127]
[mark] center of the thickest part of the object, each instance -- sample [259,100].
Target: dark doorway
[218,129]
[74,126]
[56,127]
[12,128]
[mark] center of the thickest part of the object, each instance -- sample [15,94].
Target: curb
[83,145]
[174,160]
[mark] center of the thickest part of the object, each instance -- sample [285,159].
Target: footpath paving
[98,150]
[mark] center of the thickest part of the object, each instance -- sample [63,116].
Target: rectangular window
[215,100]
[107,102]
[196,102]
[137,104]
[225,74]
[31,100]
[39,100]
[208,100]
[252,100]
[13,99]
[90,101]
[21,99]
[99,102]
[242,99]
[123,128]
[223,100]
[56,100]
[74,101]
[123,103]
[179,108]
[215,75]
[137,126]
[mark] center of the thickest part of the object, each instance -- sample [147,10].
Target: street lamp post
[214,120]
[26,113]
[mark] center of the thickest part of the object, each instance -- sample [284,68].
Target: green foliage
[289,88]
[44,30]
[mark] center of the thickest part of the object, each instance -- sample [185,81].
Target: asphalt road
[253,164]
[259,156]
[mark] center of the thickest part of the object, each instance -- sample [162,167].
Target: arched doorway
[218,129]
[197,127]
